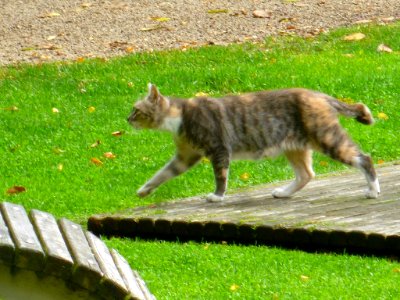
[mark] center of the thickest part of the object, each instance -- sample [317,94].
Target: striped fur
[252,126]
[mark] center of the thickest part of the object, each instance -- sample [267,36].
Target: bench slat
[86,271]
[7,248]
[29,252]
[112,284]
[59,261]
[128,276]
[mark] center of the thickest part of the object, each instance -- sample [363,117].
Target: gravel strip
[43,30]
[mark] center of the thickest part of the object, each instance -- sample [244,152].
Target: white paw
[144,191]
[280,193]
[371,194]
[214,198]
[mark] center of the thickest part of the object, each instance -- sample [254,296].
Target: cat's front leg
[221,170]
[175,167]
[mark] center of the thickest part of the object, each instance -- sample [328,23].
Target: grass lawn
[57,120]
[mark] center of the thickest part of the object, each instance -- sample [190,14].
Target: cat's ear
[155,97]
[154,94]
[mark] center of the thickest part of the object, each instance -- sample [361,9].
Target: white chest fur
[171,124]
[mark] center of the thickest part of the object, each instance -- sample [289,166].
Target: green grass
[35,141]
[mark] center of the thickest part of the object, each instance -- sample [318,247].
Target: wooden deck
[42,258]
[329,213]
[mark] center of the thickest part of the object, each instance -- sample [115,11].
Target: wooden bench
[41,258]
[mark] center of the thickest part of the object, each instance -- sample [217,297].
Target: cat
[292,121]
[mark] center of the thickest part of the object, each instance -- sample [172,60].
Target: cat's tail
[358,111]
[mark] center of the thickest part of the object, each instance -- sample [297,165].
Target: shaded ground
[42,30]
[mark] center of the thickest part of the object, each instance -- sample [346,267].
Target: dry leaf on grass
[354,37]
[96,161]
[16,189]
[384,48]
[117,133]
[304,278]
[95,144]
[10,108]
[383,116]
[245,176]
[109,155]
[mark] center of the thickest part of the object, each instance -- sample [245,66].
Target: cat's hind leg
[340,147]
[301,162]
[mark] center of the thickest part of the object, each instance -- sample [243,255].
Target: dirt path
[42,30]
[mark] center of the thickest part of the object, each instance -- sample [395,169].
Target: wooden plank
[112,285]
[86,272]
[7,248]
[128,276]
[29,252]
[58,259]
[329,212]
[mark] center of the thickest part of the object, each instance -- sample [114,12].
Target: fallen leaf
[261,13]
[117,133]
[151,28]
[387,19]
[286,20]
[366,21]
[201,94]
[31,48]
[96,161]
[49,47]
[383,116]
[58,151]
[91,109]
[16,189]
[218,11]
[50,15]
[86,5]
[304,278]
[55,110]
[51,37]
[323,163]
[145,158]
[347,100]
[354,36]
[396,270]
[129,49]
[384,48]
[10,108]
[245,176]
[109,155]
[130,84]
[234,287]
[160,19]
[380,161]
[60,167]
[95,144]
[205,160]
[80,59]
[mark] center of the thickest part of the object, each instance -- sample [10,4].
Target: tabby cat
[252,126]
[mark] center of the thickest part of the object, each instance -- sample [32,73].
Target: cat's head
[151,111]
